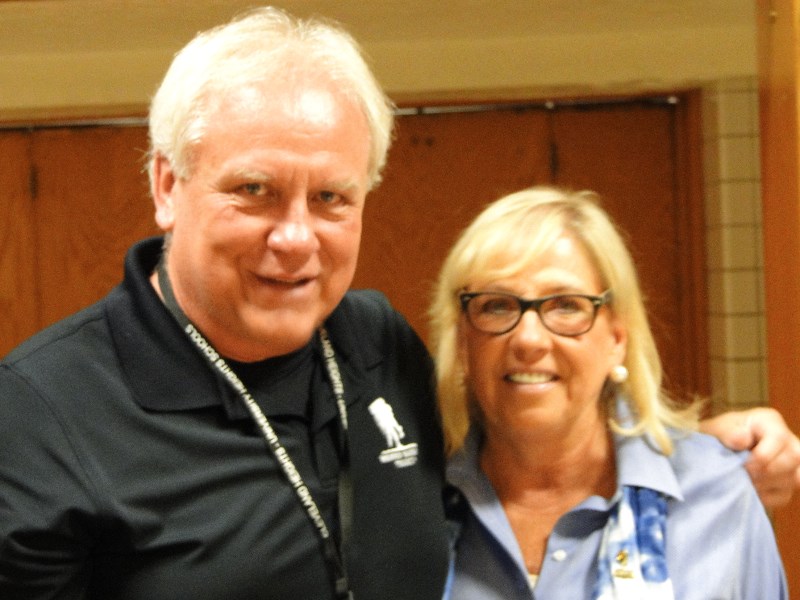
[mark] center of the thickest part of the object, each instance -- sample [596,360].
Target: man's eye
[254,189]
[328,197]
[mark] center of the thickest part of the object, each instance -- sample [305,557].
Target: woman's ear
[163,185]
[461,347]
[620,341]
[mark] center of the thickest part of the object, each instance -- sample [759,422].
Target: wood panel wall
[777,23]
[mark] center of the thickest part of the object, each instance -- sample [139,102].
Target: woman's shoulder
[702,464]
[693,445]
[740,561]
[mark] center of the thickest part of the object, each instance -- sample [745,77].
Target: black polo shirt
[130,470]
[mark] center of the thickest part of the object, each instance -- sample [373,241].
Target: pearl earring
[618,374]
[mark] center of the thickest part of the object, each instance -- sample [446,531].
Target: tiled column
[734,244]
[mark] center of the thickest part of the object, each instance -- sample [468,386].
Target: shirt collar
[164,370]
[638,464]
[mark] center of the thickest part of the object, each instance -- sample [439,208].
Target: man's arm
[774,464]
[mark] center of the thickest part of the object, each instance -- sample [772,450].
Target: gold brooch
[622,560]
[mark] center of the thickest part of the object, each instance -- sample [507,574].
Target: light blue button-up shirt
[720,543]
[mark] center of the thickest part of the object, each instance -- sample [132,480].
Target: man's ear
[163,185]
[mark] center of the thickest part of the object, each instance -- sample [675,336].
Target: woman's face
[530,380]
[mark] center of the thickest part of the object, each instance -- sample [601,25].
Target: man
[131,466]
[229,422]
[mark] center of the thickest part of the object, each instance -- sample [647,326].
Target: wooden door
[628,153]
[92,202]
[74,200]
[445,167]
[81,200]
[18,290]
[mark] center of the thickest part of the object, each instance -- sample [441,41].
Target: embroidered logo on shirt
[402,455]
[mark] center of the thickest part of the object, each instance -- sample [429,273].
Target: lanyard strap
[331,553]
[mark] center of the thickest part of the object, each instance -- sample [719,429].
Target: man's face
[266,228]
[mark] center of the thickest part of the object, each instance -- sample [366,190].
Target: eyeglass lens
[565,314]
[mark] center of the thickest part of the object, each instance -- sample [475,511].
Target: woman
[572,473]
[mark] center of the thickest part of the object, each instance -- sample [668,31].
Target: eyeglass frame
[536,304]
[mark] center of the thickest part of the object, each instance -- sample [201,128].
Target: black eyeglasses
[563,314]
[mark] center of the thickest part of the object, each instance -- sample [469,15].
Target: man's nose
[293,229]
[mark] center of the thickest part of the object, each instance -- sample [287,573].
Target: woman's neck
[537,483]
[583,462]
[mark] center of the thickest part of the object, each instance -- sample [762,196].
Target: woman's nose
[530,331]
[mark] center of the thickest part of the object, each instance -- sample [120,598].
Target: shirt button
[559,555]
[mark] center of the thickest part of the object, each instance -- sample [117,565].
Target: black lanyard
[332,555]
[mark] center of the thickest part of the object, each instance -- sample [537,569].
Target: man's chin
[284,334]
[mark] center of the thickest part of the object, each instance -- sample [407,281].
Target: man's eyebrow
[344,185]
[253,175]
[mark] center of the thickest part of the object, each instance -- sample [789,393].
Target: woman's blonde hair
[504,240]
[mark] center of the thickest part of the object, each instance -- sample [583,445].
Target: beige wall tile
[736,158]
[736,112]
[738,203]
[734,293]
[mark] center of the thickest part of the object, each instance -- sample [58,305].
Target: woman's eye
[498,306]
[569,304]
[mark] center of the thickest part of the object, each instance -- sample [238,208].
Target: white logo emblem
[402,455]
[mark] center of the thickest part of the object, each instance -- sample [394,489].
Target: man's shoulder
[75,333]
[364,316]
[366,301]
[80,329]
[366,323]
[60,362]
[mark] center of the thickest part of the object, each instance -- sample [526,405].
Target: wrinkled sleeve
[44,540]
[722,539]
[761,566]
